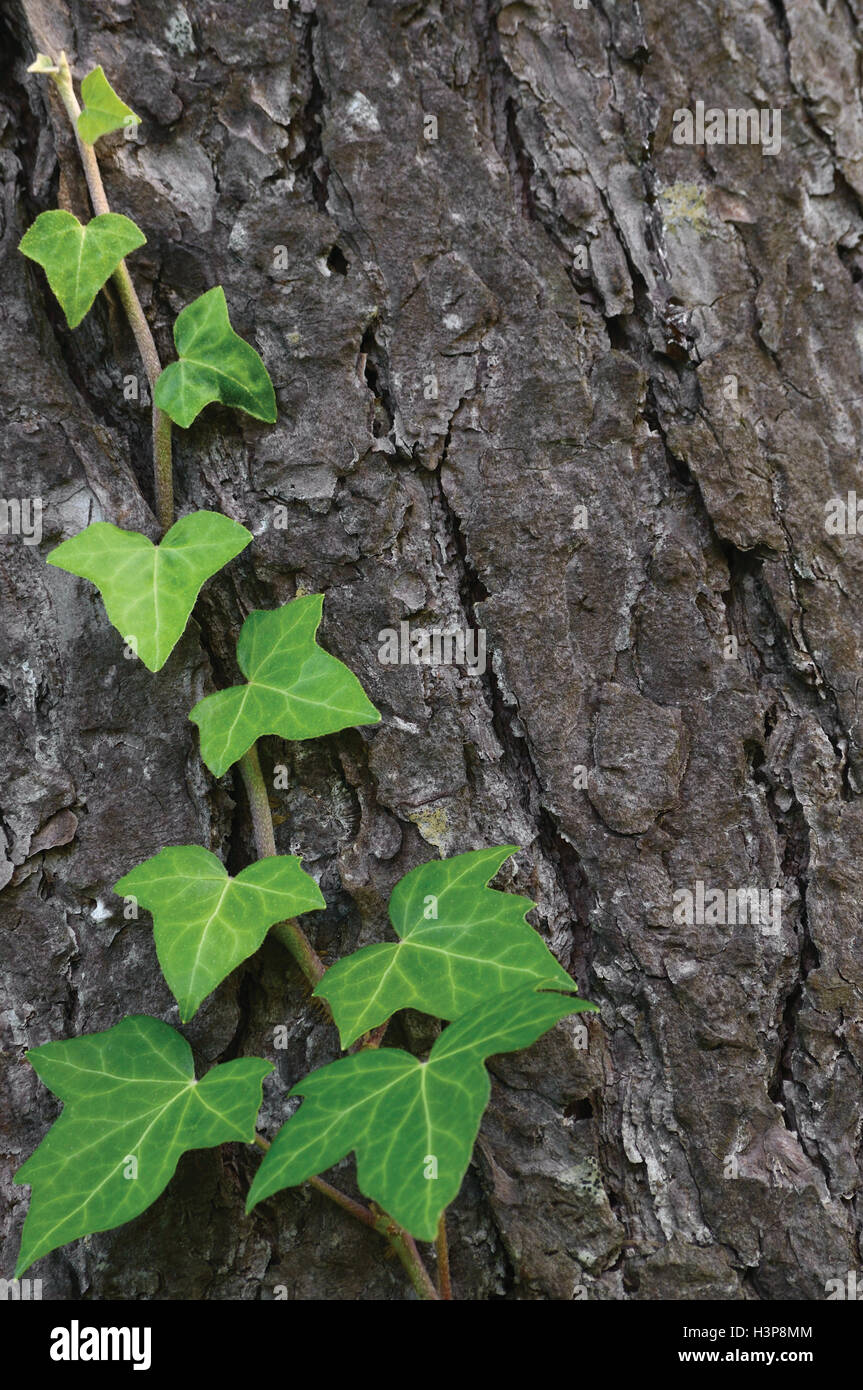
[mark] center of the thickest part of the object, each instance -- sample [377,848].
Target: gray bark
[600,1171]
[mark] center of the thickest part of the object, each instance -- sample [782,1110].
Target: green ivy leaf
[206,923]
[132,1107]
[150,590]
[103,109]
[215,364]
[412,1124]
[77,259]
[461,941]
[295,689]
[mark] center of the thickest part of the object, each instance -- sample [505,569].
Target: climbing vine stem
[442,1247]
[289,933]
[161,426]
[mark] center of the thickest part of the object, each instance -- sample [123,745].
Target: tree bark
[542,372]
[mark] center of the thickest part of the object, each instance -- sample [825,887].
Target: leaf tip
[506,852]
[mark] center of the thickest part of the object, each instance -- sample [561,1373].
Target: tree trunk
[544,373]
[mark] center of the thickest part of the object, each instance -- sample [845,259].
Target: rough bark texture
[561,382]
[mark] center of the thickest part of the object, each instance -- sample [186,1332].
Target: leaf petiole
[403,1244]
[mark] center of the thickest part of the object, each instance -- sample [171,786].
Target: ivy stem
[163,474]
[403,1244]
[355,1209]
[289,933]
[259,804]
[444,1283]
[373,1039]
[405,1247]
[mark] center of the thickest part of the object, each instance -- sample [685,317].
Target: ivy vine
[465,952]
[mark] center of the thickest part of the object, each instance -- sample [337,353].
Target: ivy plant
[132,1107]
[465,952]
[206,923]
[412,1124]
[78,260]
[461,942]
[103,111]
[149,590]
[293,689]
[214,365]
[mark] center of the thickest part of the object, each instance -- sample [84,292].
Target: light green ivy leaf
[295,689]
[461,942]
[411,1124]
[132,1107]
[103,109]
[77,259]
[150,590]
[215,364]
[206,923]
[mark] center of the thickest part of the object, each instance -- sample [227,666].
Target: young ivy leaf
[215,365]
[77,259]
[103,109]
[43,65]
[132,1106]
[412,1124]
[204,922]
[150,590]
[295,689]
[461,941]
